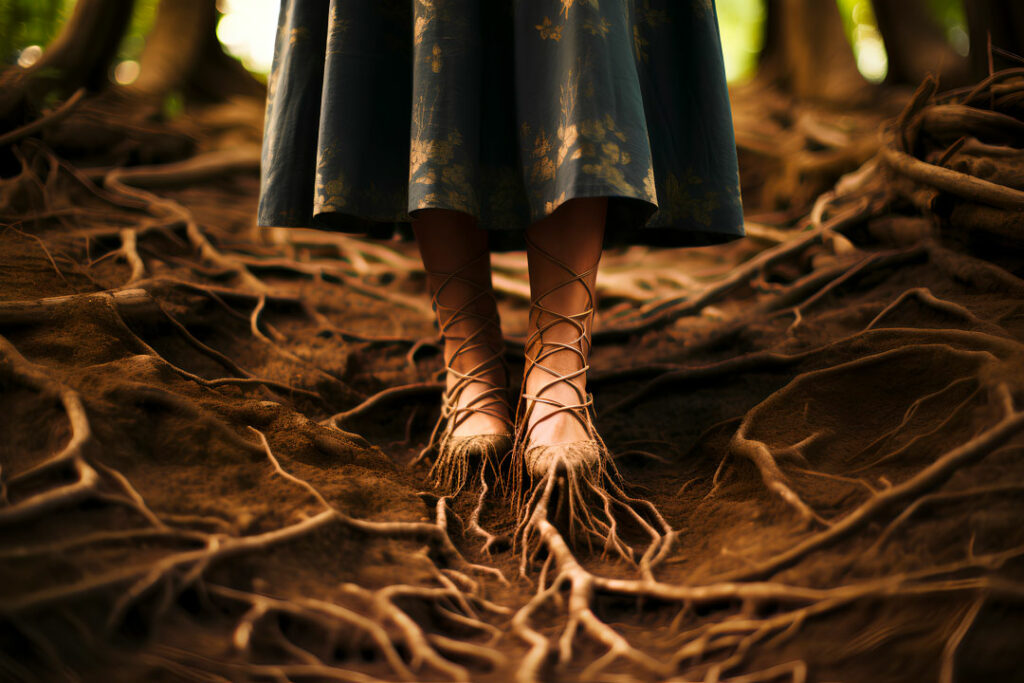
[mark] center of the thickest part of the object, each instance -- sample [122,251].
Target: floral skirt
[503,109]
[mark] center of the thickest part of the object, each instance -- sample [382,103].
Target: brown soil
[196,484]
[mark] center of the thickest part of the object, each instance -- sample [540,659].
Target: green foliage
[29,22]
[949,12]
[37,22]
[742,27]
[741,23]
[174,104]
[862,30]
[142,21]
[953,18]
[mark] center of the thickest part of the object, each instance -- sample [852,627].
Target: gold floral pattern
[330,194]
[606,159]
[567,5]
[598,26]
[639,44]
[543,165]
[549,31]
[504,109]
[419,28]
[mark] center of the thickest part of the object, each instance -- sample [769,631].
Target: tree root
[927,479]
[435,535]
[939,498]
[926,297]
[89,482]
[45,121]
[761,455]
[457,599]
[588,501]
[668,375]
[448,626]
[954,182]
[729,640]
[492,542]
[660,313]
[384,397]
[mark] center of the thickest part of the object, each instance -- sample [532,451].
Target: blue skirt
[503,109]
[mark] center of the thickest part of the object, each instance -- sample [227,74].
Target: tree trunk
[84,49]
[806,51]
[1003,20]
[174,45]
[183,53]
[79,56]
[916,44]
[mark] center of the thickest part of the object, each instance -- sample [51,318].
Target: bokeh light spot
[126,72]
[247,30]
[29,56]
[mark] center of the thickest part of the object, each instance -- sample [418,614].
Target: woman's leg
[456,258]
[562,472]
[563,251]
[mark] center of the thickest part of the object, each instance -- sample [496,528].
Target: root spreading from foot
[208,460]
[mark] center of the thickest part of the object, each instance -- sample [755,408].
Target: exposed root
[667,376]
[336,622]
[960,184]
[927,479]
[759,453]
[384,397]
[138,263]
[492,542]
[925,296]
[88,482]
[661,313]
[172,574]
[461,459]
[45,121]
[712,650]
[939,498]
[583,495]
[955,638]
[129,247]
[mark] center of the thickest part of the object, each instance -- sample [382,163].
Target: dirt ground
[202,479]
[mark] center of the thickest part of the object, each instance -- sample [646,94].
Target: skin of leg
[573,234]
[451,242]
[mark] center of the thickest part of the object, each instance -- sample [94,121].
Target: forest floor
[201,479]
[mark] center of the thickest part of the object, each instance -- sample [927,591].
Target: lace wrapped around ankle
[458,456]
[574,485]
[590,453]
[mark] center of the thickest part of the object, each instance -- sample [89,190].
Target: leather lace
[539,348]
[493,400]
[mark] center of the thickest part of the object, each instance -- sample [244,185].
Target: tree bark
[183,53]
[1003,20]
[79,56]
[84,49]
[916,44]
[807,53]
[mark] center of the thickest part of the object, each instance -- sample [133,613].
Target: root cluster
[186,450]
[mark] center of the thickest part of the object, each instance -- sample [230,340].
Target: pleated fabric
[503,109]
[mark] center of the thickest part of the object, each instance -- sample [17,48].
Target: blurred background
[811,80]
[246,28]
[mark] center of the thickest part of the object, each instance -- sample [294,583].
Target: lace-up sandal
[459,456]
[578,478]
